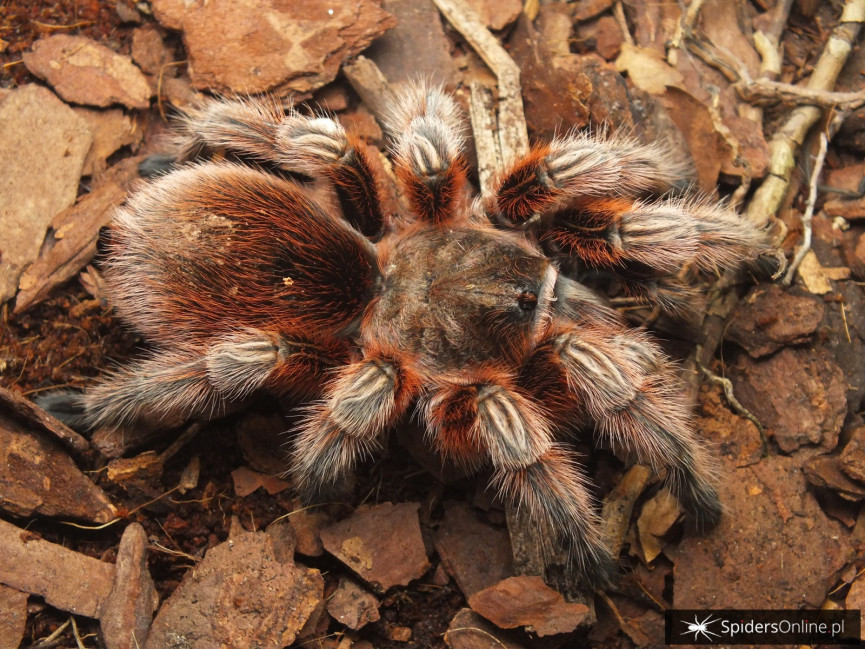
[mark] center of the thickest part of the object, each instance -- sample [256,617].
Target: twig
[52,639]
[76,634]
[475,630]
[727,385]
[808,215]
[511,123]
[764,92]
[371,86]
[619,15]
[488,148]
[789,138]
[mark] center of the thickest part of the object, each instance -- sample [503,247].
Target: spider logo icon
[697,627]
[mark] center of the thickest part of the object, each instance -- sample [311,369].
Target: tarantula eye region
[527,300]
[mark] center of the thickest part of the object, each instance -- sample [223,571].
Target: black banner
[744,627]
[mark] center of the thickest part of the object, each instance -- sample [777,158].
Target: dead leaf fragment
[818,278]
[648,69]
[527,601]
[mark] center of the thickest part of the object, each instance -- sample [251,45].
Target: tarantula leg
[555,495]
[580,166]
[245,361]
[262,133]
[362,401]
[529,468]
[657,238]
[625,384]
[428,145]
[170,387]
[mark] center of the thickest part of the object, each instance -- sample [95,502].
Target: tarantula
[263,260]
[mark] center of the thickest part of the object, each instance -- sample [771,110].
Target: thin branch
[808,215]
[789,138]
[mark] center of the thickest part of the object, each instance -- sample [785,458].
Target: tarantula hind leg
[173,385]
[359,404]
[529,469]
[261,133]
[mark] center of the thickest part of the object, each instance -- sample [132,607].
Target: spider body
[246,278]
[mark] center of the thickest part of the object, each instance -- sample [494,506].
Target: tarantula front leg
[589,195]
[360,403]
[495,419]
[624,384]
[174,385]
[428,156]
[262,133]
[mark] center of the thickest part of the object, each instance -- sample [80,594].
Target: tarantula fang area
[264,261]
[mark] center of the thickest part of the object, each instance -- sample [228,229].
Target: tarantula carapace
[264,261]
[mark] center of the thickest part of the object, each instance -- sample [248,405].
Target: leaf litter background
[207,538]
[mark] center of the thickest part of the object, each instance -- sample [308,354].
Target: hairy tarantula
[264,261]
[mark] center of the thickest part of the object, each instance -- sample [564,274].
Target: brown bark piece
[774,545]
[269,45]
[853,456]
[528,602]
[66,579]
[770,318]
[555,100]
[84,72]
[382,560]
[112,129]
[799,395]
[496,14]
[353,606]
[468,630]
[238,596]
[128,612]
[71,240]
[37,477]
[13,617]
[847,178]
[476,554]
[43,144]
[825,472]
[26,412]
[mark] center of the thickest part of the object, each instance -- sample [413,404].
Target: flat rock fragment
[38,477]
[13,617]
[799,395]
[468,630]
[770,318]
[476,554]
[66,579]
[381,543]
[84,72]
[353,606]
[43,144]
[255,46]
[418,29]
[238,596]
[775,548]
[70,242]
[528,602]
